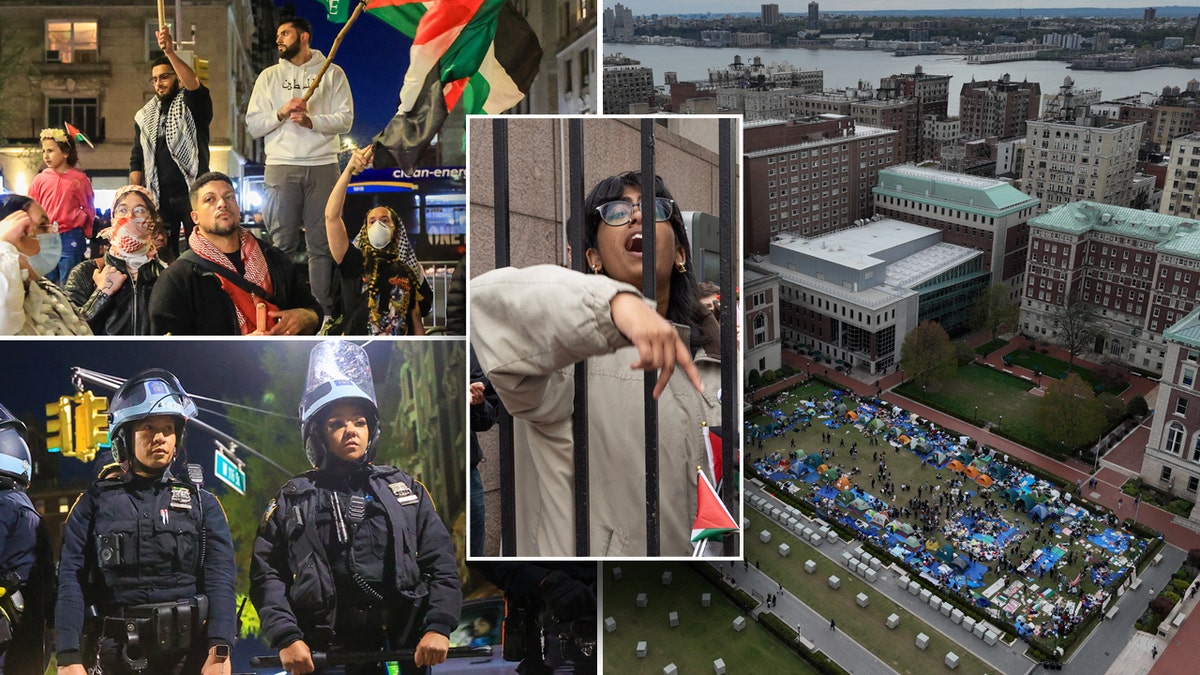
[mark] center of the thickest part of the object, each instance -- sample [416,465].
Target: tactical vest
[312,593]
[159,548]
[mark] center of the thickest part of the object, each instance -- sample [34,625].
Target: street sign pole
[228,468]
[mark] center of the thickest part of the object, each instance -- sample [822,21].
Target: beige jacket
[528,328]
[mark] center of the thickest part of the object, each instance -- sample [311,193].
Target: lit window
[71,42]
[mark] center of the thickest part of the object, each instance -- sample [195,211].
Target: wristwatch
[220,651]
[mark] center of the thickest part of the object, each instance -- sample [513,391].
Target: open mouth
[633,243]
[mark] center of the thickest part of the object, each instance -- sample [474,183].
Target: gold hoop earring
[596,269]
[681,267]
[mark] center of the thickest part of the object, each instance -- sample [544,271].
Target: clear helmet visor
[336,370]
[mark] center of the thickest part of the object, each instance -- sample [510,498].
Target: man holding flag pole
[301,143]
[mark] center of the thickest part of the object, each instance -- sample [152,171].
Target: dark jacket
[292,572]
[18,536]
[160,539]
[188,299]
[126,312]
[456,300]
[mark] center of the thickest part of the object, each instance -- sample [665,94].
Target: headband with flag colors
[454,59]
[712,518]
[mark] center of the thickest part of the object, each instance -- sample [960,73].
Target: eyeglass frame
[638,205]
[130,210]
[162,77]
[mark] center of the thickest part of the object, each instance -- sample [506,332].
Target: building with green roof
[985,214]
[1140,270]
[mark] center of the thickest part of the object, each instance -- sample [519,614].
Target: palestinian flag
[455,58]
[712,518]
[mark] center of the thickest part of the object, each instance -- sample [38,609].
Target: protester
[528,326]
[229,283]
[301,144]
[172,134]
[384,291]
[29,303]
[113,293]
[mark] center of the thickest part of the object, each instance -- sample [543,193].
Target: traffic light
[91,425]
[58,428]
[200,66]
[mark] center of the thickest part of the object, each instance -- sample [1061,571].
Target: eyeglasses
[620,212]
[161,78]
[137,211]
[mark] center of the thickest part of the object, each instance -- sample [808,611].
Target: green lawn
[895,647]
[703,635]
[983,394]
[788,400]
[1052,367]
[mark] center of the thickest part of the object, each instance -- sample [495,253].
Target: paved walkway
[835,644]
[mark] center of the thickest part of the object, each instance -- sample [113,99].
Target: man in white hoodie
[301,146]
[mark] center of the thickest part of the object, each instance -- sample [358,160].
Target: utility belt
[12,606]
[157,628]
[542,642]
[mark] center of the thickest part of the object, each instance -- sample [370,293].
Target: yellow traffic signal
[58,428]
[91,425]
[200,66]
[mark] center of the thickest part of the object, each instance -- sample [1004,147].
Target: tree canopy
[995,308]
[1070,413]
[927,355]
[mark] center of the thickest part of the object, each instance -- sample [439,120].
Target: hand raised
[658,344]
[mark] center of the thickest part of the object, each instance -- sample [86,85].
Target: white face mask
[379,234]
[49,251]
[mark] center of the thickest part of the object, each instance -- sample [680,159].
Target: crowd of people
[176,258]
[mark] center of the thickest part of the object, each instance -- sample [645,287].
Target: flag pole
[162,15]
[337,42]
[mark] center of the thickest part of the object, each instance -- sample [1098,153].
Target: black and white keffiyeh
[179,130]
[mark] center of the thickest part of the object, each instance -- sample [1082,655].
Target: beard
[170,92]
[289,52]
[221,228]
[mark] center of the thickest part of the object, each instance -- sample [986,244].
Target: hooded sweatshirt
[331,110]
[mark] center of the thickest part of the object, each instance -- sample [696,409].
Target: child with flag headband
[66,194]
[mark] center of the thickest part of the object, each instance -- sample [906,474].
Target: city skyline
[799,9]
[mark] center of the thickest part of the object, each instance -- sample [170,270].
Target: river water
[844,68]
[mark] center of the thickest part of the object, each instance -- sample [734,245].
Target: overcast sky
[801,6]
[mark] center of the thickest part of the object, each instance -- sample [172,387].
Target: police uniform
[19,522]
[352,557]
[146,577]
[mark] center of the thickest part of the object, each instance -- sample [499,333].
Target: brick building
[1139,269]
[997,107]
[810,177]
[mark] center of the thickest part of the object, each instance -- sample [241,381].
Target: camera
[109,550]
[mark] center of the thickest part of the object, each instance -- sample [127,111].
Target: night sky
[374,56]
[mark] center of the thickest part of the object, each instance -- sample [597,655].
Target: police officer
[147,559]
[352,557]
[18,527]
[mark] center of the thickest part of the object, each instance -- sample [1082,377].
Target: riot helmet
[150,392]
[15,461]
[338,371]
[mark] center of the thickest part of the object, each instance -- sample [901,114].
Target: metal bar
[729,430]
[508,484]
[579,421]
[649,229]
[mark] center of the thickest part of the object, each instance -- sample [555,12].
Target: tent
[840,409]
[982,464]
[875,424]
[814,460]
[999,471]
[879,518]
[852,415]
[955,466]
[960,564]
[965,458]
[859,505]
[917,444]
[1039,513]
[1027,501]
[903,440]
[971,472]
[842,483]
[1010,495]
[906,529]
[937,458]
[831,474]
[931,545]
[912,543]
[822,469]
[845,497]
[945,553]
[984,480]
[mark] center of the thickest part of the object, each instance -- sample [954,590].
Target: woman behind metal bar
[529,325]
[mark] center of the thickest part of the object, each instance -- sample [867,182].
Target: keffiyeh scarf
[179,130]
[244,304]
